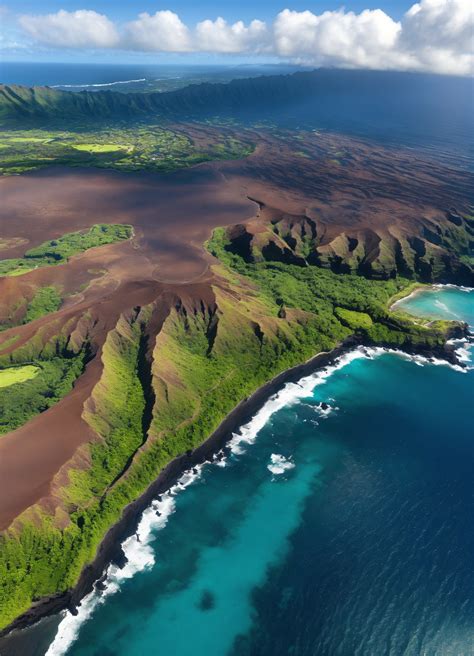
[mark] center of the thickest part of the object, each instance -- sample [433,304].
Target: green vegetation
[352,319]
[27,558]
[14,375]
[115,413]
[141,146]
[348,300]
[47,382]
[61,249]
[102,148]
[45,301]
[25,140]
[269,317]
[409,289]
[58,251]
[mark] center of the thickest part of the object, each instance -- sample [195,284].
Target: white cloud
[439,35]
[336,37]
[433,35]
[72,29]
[220,36]
[164,31]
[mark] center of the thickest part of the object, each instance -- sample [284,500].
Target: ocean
[337,522]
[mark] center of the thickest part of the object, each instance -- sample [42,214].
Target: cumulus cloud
[433,35]
[72,29]
[219,36]
[336,37]
[439,35]
[164,31]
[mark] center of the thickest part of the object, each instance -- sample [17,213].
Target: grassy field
[130,148]
[102,148]
[58,251]
[14,375]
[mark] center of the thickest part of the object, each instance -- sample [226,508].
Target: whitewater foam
[461,288]
[419,360]
[279,464]
[103,84]
[463,349]
[289,394]
[139,557]
[442,306]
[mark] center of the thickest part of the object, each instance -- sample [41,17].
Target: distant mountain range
[334,93]
[236,96]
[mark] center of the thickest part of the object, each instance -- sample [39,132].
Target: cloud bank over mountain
[433,35]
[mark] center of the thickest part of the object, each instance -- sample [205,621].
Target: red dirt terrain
[324,200]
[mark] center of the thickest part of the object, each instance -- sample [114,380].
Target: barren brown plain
[345,185]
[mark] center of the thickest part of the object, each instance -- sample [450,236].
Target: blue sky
[428,35]
[193,11]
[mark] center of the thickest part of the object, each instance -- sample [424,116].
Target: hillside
[238,95]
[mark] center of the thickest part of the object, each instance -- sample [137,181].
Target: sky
[431,35]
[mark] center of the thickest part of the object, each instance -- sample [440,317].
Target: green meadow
[143,146]
[14,375]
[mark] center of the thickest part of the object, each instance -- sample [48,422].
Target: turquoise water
[442,303]
[342,531]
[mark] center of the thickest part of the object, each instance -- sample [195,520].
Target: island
[162,273]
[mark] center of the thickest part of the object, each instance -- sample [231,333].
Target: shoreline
[417,288]
[408,292]
[110,549]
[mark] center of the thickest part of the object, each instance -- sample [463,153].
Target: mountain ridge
[239,96]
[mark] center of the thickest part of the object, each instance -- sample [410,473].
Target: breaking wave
[279,464]
[103,84]
[139,554]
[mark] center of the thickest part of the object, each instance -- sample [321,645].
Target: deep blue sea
[347,531]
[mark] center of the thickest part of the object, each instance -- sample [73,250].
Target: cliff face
[435,254]
[237,96]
